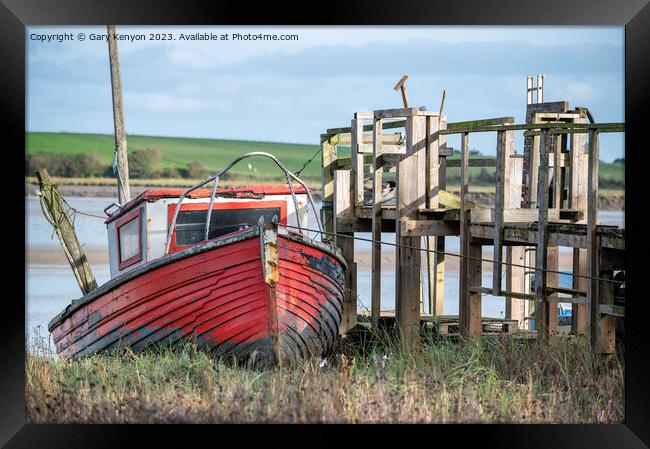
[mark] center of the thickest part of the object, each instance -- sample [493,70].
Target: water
[50,287]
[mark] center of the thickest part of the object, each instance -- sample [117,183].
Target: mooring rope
[381,242]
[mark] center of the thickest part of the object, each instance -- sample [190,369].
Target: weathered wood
[551,297]
[405,113]
[343,209]
[592,241]
[377,175]
[499,203]
[467,270]
[541,320]
[52,202]
[328,155]
[471,324]
[432,188]
[410,197]
[357,162]
[578,200]
[123,188]
[515,282]
[607,322]
[421,228]
[558,128]
[474,162]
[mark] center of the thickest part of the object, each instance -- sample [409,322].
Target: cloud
[161,102]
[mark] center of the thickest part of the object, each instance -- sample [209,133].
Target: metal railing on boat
[288,173]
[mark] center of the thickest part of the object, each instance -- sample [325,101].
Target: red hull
[216,294]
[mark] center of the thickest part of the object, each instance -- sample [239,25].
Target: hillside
[216,153]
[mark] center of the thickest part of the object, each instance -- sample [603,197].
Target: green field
[216,153]
[178,151]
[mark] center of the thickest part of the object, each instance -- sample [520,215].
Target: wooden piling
[541,251]
[592,239]
[410,197]
[55,210]
[343,209]
[377,177]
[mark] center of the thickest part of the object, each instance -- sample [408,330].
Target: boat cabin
[137,232]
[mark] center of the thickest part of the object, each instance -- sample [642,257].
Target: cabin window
[227,217]
[129,239]
[190,225]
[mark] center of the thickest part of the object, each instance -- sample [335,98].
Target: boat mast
[121,161]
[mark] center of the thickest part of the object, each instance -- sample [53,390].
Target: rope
[548,270]
[308,162]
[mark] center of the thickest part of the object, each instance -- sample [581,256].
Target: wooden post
[578,200]
[499,200]
[410,197]
[343,209]
[377,175]
[439,281]
[515,276]
[592,240]
[552,280]
[606,293]
[53,204]
[432,188]
[123,188]
[328,154]
[541,251]
[470,270]
[356,159]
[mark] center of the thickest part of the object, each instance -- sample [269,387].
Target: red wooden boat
[245,281]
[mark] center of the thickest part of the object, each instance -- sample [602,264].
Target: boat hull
[256,299]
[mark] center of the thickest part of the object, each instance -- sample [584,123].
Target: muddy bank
[96,191]
[609,202]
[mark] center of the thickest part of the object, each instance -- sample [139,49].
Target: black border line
[16,14]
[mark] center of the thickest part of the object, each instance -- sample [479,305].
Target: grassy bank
[487,381]
[178,151]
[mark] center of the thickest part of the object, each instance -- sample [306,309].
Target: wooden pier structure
[545,198]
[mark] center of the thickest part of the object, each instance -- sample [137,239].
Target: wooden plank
[439,279]
[357,163]
[377,175]
[578,200]
[343,209]
[52,201]
[410,197]
[483,122]
[420,228]
[515,282]
[592,241]
[558,128]
[607,322]
[432,189]
[499,203]
[328,164]
[405,113]
[541,251]
[612,310]
[465,295]
[552,298]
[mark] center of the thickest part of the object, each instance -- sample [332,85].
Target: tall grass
[487,380]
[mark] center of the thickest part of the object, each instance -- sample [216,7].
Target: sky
[292,91]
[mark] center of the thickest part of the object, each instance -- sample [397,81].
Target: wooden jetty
[545,198]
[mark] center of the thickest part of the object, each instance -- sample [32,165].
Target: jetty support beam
[55,209]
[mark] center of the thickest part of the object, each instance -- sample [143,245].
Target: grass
[178,151]
[488,380]
[216,153]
